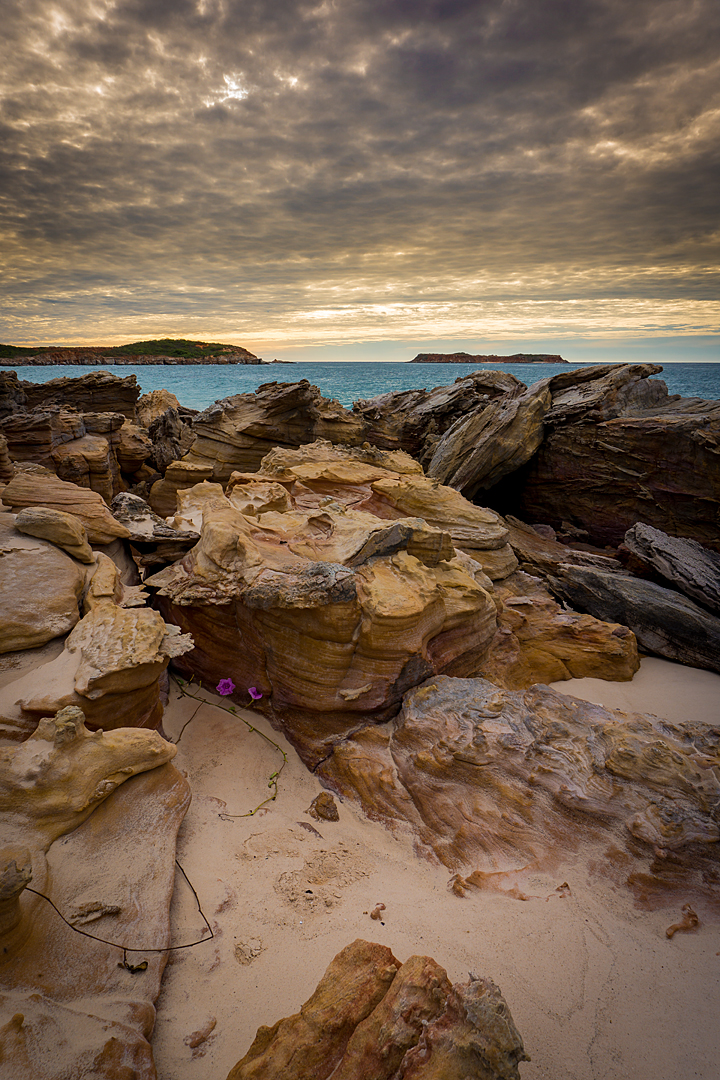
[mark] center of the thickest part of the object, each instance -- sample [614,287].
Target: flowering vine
[225,688]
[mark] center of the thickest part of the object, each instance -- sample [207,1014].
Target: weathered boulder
[664,622]
[171,437]
[132,447]
[117,805]
[502,780]
[89,462]
[152,405]
[97,392]
[237,432]
[684,563]
[330,611]
[111,665]
[153,541]
[34,436]
[64,530]
[7,468]
[28,489]
[178,476]
[40,590]
[371,1016]
[493,441]
[414,420]
[611,459]
[537,641]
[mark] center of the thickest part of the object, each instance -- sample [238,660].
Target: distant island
[156,351]
[467,358]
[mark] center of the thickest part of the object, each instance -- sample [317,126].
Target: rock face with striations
[501,780]
[237,432]
[335,578]
[618,450]
[664,622]
[683,563]
[331,611]
[371,1016]
[27,489]
[89,820]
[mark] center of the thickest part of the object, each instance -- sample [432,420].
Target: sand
[596,989]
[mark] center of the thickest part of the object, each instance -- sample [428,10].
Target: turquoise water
[198,386]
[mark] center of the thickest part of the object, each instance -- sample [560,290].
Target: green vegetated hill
[178,347]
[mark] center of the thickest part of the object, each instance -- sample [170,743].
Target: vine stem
[184,688]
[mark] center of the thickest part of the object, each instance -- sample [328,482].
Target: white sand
[596,989]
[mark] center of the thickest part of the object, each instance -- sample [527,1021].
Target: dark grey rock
[687,565]
[664,622]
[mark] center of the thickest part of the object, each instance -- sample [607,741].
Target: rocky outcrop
[618,450]
[7,468]
[28,489]
[479,450]
[371,1016]
[502,780]
[154,543]
[538,641]
[414,420]
[664,622]
[684,564]
[96,392]
[64,530]
[331,612]
[115,805]
[171,437]
[40,590]
[237,432]
[111,665]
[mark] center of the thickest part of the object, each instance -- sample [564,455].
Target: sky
[359,179]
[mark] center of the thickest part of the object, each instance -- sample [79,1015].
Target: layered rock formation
[237,432]
[682,563]
[90,821]
[371,1016]
[29,489]
[503,780]
[664,622]
[111,666]
[335,578]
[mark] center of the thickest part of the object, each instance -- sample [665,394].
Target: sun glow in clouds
[234,89]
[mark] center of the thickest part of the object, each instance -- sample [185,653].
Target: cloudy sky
[365,176]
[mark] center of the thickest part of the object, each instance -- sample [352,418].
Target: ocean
[199,385]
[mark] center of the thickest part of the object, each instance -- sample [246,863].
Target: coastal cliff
[156,351]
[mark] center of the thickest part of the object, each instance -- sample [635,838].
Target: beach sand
[596,989]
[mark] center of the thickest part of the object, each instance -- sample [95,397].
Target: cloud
[243,163]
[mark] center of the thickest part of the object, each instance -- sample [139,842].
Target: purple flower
[225,687]
[254,693]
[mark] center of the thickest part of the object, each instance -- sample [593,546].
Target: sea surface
[197,386]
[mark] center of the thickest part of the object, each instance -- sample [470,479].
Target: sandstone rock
[89,462]
[171,438]
[178,475]
[152,405]
[12,395]
[602,392]
[338,611]
[538,641]
[664,622]
[687,565]
[40,590]
[64,530]
[656,461]
[26,489]
[133,447]
[117,807]
[541,553]
[110,667]
[236,433]
[414,420]
[7,469]
[496,439]
[98,391]
[502,780]
[371,1016]
[33,436]
[154,542]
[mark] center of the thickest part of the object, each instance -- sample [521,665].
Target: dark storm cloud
[263,159]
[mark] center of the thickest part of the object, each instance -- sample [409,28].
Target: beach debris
[689,921]
[376,913]
[308,828]
[197,1038]
[323,808]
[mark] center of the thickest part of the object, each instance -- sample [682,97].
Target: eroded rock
[503,780]
[29,489]
[66,531]
[683,563]
[372,1016]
